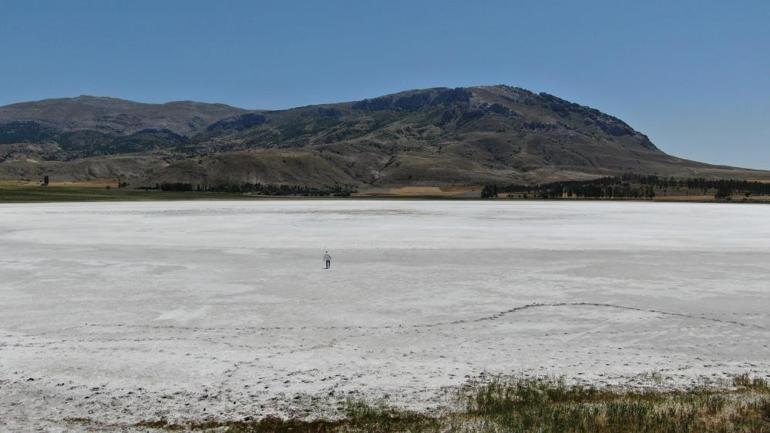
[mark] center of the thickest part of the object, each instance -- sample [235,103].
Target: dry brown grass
[695,198]
[94,183]
[424,191]
[541,406]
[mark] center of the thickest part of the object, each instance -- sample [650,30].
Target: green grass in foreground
[545,406]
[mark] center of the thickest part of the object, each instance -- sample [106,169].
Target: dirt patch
[698,198]
[424,191]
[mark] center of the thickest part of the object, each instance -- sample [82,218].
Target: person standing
[328,260]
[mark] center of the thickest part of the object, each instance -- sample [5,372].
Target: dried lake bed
[126,312]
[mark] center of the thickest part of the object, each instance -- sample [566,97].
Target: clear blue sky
[693,75]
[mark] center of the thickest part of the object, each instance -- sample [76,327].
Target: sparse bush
[489,191]
[753,383]
[543,406]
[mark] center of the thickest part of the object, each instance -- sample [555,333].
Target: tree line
[630,186]
[261,189]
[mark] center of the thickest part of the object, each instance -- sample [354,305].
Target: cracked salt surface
[219,310]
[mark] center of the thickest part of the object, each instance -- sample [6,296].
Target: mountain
[430,137]
[116,116]
[86,126]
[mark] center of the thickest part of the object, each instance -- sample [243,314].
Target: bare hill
[116,116]
[440,136]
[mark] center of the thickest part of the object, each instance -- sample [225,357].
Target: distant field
[423,191]
[107,190]
[22,192]
[94,183]
[710,198]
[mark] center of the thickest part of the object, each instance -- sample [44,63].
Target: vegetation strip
[626,187]
[536,405]
[631,186]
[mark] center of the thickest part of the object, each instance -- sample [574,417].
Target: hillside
[86,126]
[440,136]
[116,116]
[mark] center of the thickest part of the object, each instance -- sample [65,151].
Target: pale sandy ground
[124,312]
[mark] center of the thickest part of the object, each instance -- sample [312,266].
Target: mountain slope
[116,116]
[86,126]
[440,136]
